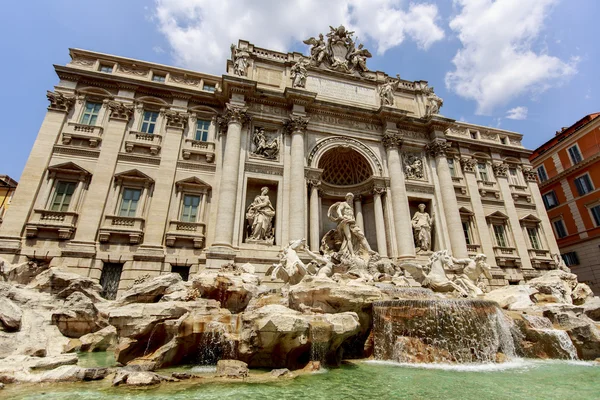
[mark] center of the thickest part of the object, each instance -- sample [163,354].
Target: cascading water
[562,346]
[319,337]
[216,342]
[441,330]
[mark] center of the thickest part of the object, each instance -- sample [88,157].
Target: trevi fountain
[356,311]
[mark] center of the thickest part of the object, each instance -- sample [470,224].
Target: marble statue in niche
[386,91]
[413,166]
[299,73]
[240,60]
[422,224]
[263,147]
[260,219]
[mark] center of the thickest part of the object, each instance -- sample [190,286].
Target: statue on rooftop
[434,102]
[299,73]
[240,60]
[358,58]
[318,51]
[386,91]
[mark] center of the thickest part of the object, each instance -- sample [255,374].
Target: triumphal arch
[141,169]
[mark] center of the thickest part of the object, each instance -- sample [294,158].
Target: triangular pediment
[193,181]
[69,167]
[530,218]
[133,174]
[465,211]
[497,215]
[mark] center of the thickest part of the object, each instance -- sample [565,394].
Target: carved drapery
[120,110]
[296,123]
[468,164]
[500,169]
[60,102]
[437,148]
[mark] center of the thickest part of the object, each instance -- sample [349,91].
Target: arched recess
[151,100]
[325,145]
[95,92]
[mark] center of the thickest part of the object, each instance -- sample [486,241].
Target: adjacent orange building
[568,168]
[7,189]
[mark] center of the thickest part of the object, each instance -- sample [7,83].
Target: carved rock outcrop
[10,315]
[62,284]
[152,290]
[78,316]
[233,291]
[517,297]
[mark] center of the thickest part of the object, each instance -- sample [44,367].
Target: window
[189,211]
[90,113]
[550,200]
[106,68]
[570,258]
[209,88]
[513,175]
[473,134]
[541,171]
[149,121]
[534,238]
[503,140]
[584,184]
[559,228]
[183,271]
[596,214]
[500,235]
[467,232]
[158,78]
[202,130]
[62,196]
[483,175]
[129,202]
[575,154]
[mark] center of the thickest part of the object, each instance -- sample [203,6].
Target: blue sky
[490,60]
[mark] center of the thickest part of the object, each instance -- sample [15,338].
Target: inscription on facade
[336,121]
[341,91]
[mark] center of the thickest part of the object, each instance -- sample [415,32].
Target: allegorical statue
[240,60]
[358,58]
[434,102]
[422,223]
[386,91]
[318,51]
[353,239]
[413,166]
[260,218]
[471,271]
[263,148]
[299,73]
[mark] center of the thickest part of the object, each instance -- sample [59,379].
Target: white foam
[204,369]
[474,367]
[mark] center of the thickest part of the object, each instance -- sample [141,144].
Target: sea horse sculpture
[435,278]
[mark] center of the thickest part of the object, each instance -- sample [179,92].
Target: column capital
[177,120]
[296,123]
[234,114]
[500,169]
[468,164]
[59,101]
[314,183]
[437,148]
[119,110]
[378,189]
[391,140]
[529,174]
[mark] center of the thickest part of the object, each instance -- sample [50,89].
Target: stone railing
[116,225]
[186,231]
[91,133]
[539,253]
[473,248]
[501,251]
[199,147]
[486,187]
[151,141]
[63,222]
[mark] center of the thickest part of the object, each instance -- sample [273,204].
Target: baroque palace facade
[141,168]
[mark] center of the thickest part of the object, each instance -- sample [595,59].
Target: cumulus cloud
[517,113]
[498,60]
[200,31]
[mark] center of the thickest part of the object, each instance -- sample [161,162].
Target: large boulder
[23,273]
[130,377]
[554,286]
[581,294]
[151,290]
[592,308]
[582,330]
[102,340]
[62,284]
[78,316]
[10,315]
[541,340]
[233,290]
[275,336]
[514,297]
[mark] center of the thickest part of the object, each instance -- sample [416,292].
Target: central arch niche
[344,166]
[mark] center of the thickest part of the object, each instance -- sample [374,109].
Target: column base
[149,253]
[219,254]
[79,249]
[10,244]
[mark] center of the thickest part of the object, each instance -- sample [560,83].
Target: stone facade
[141,168]
[568,166]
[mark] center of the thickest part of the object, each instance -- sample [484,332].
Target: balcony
[507,256]
[486,187]
[150,141]
[178,230]
[473,248]
[90,133]
[198,148]
[133,227]
[62,222]
[540,258]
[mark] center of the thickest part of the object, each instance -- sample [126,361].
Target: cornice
[569,171]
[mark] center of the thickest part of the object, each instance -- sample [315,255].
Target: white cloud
[497,61]
[518,113]
[200,31]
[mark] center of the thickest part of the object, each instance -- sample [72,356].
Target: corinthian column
[403,229]
[296,126]
[235,116]
[437,149]
[379,221]
[314,215]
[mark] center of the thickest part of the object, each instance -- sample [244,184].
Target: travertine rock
[152,290]
[138,378]
[581,293]
[592,308]
[232,369]
[233,291]
[554,286]
[78,316]
[10,315]
[24,272]
[62,284]
[582,330]
[102,340]
[517,297]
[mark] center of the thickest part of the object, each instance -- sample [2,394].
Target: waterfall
[319,336]
[560,340]
[216,343]
[444,330]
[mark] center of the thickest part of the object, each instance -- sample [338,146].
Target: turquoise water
[521,379]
